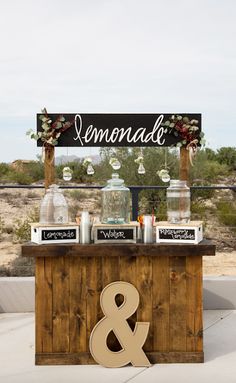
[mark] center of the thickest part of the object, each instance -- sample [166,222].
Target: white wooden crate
[49,233]
[191,232]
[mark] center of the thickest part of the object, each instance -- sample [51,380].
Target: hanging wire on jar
[87,163]
[164,173]
[67,171]
[140,161]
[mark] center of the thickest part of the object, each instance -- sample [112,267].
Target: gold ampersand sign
[115,320]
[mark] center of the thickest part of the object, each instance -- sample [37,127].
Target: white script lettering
[94,135]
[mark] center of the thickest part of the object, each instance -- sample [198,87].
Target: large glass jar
[54,208]
[178,202]
[115,201]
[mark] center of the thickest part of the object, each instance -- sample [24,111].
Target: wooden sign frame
[118,130]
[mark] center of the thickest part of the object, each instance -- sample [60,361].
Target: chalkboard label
[119,130]
[115,234]
[58,235]
[177,234]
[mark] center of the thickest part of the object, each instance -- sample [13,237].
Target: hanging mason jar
[115,201]
[178,202]
[67,173]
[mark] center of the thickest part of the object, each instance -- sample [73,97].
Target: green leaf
[186,120]
[58,125]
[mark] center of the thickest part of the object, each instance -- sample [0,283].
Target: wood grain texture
[118,250]
[160,303]
[178,306]
[144,286]
[194,304]
[110,270]
[78,305]
[61,301]
[128,273]
[111,273]
[43,304]
[184,165]
[86,358]
[68,292]
[191,304]
[39,306]
[49,168]
[199,306]
[94,289]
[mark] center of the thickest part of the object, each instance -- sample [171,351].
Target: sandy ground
[224,263]
[16,204]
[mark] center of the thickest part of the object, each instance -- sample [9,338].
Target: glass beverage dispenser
[115,202]
[178,202]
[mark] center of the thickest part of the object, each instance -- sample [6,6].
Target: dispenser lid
[54,188]
[115,180]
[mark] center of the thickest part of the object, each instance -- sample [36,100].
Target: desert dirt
[16,204]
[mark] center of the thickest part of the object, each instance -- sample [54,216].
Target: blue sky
[140,56]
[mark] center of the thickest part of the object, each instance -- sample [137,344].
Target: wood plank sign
[120,130]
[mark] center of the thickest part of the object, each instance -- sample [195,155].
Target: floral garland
[186,130]
[51,131]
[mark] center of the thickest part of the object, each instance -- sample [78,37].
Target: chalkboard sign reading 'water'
[115,234]
[122,130]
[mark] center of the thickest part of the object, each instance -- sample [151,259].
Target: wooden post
[49,169]
[184,165]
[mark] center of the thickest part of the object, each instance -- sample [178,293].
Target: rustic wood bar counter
[70,277]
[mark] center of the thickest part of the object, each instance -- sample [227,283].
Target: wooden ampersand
[115,320]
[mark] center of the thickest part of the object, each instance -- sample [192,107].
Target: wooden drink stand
[70,277]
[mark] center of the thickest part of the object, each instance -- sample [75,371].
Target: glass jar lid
[115,180]
[178,184]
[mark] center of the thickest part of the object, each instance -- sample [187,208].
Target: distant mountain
[65,159]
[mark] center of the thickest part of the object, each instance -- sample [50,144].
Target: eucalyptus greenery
[51,131]
[186,129]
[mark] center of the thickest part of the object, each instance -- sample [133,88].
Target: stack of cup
[148,229]
[85,227]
